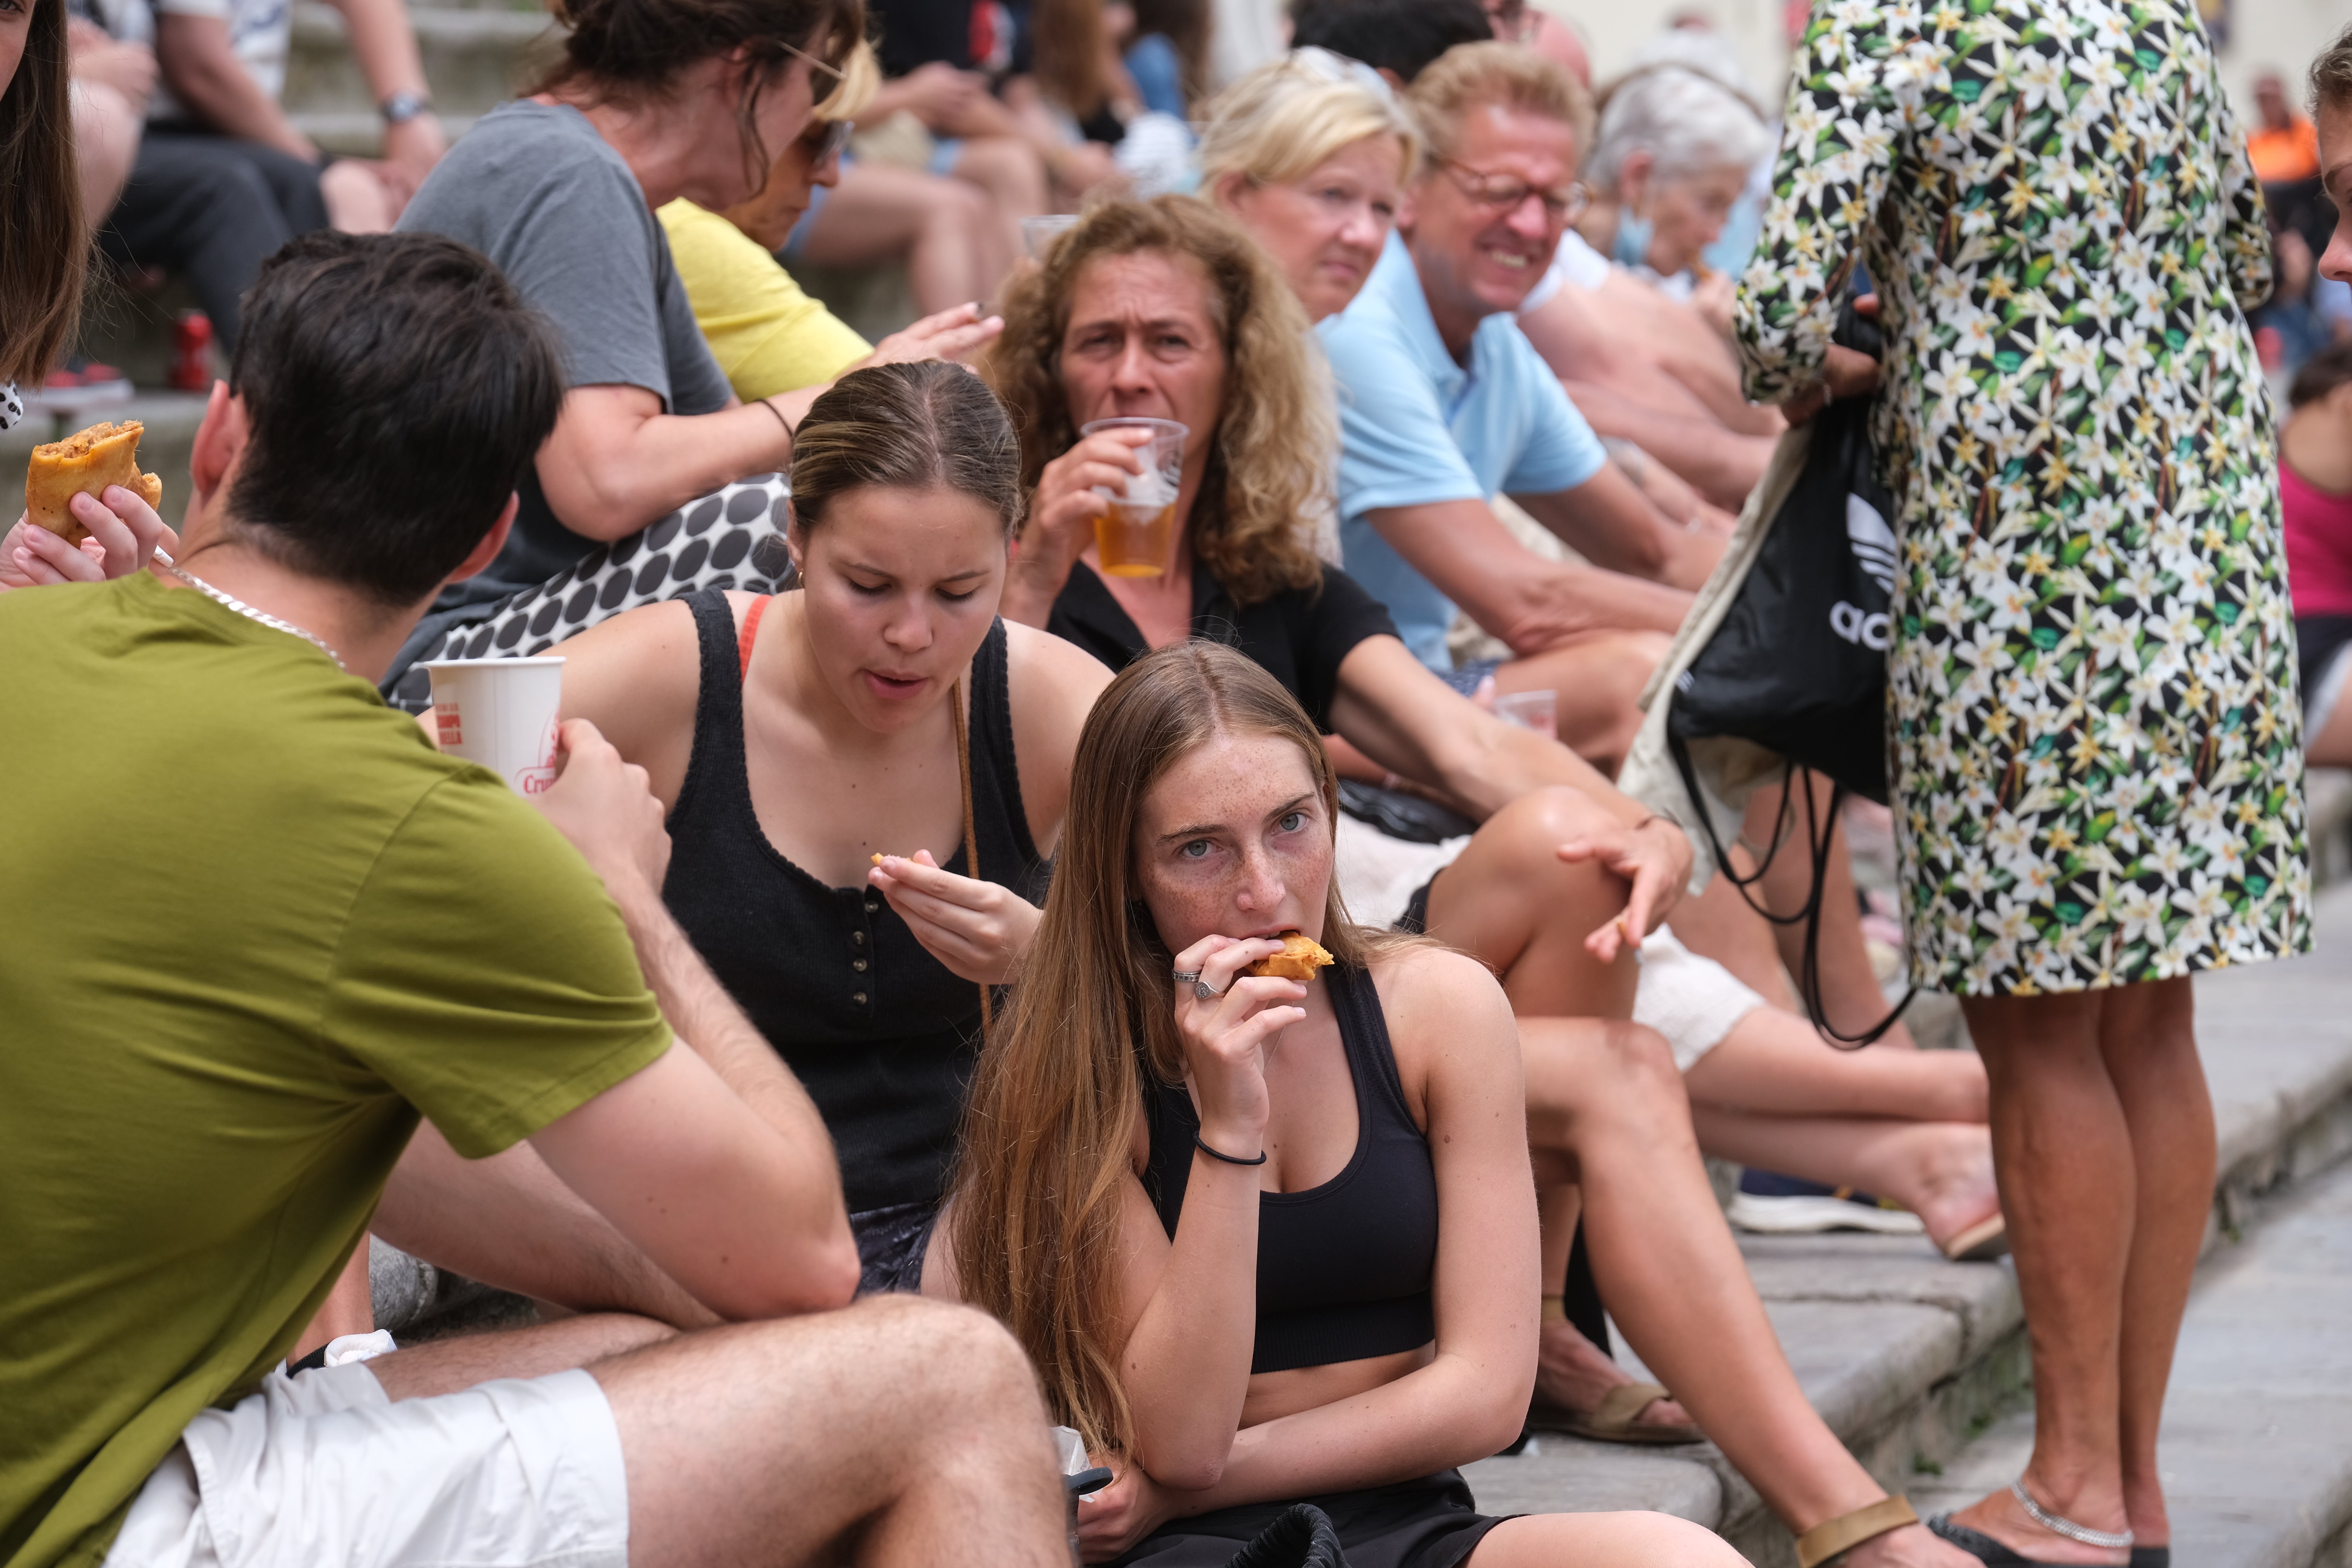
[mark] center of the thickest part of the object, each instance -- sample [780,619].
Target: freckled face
[1234,840]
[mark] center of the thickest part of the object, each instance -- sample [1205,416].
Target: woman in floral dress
[2093,725]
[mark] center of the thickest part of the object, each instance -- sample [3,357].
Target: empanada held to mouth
[84,463]
[1300,957]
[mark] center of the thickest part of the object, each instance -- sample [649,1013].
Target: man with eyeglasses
[1444,403]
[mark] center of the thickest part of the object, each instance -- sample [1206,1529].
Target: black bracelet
[1228,1159]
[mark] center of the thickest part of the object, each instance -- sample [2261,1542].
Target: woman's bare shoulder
[636,674]
[1041,666]
[1441,1004]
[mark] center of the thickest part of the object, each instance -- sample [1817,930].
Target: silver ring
[1187,976]
[1200,989]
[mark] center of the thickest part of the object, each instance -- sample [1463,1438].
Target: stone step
[2256,1451]
[474,57]
[1909,1358]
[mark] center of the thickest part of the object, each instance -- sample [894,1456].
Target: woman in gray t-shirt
[656,479]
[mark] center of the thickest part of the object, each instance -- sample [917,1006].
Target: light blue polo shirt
[1416,427]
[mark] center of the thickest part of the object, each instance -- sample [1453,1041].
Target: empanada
[1300,957]
[84,463]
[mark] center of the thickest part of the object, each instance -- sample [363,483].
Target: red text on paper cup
[448,725]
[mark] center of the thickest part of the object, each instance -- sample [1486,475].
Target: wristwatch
[403,107]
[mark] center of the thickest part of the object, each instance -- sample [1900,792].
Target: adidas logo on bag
[1874,547]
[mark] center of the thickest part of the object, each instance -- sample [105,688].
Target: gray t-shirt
[536,190]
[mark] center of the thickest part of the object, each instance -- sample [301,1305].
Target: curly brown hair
[1269,472]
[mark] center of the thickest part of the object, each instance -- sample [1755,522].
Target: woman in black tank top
[1269,1242]
[864,778]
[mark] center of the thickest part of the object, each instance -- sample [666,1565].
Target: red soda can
[192,352]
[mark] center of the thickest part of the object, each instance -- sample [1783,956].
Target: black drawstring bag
[1799,663]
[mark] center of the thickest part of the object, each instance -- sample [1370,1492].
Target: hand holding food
[84,463]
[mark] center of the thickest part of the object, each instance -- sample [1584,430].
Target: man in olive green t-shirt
[253,926]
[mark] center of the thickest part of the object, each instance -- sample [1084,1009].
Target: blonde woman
[1311,155]
[769,337]
[1266,1241]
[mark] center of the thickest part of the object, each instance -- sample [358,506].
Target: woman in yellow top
[767,335]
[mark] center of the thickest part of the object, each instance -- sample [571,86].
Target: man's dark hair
[395,389]
[1400,36]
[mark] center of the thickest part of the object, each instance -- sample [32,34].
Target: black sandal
[1983,1547]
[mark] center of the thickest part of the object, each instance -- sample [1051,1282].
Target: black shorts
[1428,1523]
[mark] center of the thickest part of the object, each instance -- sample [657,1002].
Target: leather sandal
[1616,1419]
[1833,1537]
[1980,1243]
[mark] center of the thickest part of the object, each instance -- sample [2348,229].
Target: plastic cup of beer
[1134,537]
[1537,710]
[1039,234]
[501,713]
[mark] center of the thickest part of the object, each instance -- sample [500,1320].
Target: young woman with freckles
[1266,1241]
[806,746]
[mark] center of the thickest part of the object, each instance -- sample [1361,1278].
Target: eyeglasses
[815,64]
[835,141]
[1506,193]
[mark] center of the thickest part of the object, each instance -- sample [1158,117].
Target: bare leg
[106,131]
[1772,1062]
[897,1430]
[1597,681]
[1940,1171]
[1009,173]
[1605,1100]
[2332,747]
[880,212]
[2148,1036]
[1602,1540]
[1525,913]
[359,199]
[2065,1151]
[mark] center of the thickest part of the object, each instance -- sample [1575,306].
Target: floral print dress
[2093,719]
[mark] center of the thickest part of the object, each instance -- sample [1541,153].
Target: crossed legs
[2103,1128]
[895,1431]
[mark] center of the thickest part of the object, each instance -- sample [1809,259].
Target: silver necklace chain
[231,601]
[2111,1539]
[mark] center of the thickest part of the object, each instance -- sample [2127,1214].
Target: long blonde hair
[1269,470]
[1048,1134]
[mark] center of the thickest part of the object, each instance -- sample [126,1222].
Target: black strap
[1820,831]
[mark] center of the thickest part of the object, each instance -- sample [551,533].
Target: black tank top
[881,1032]
[1343,1270]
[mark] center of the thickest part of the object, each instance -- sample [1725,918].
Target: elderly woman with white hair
[1674,150]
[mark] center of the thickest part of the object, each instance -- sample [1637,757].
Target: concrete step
[1909,1358]
[474,57]
[2256,1451]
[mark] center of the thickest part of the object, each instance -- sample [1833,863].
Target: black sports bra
[1343,1270]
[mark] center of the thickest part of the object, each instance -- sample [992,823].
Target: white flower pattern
[2091,710]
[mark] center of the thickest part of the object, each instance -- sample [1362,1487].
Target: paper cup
[501,713]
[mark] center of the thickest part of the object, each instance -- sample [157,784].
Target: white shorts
[322,1468]
[1693,1001]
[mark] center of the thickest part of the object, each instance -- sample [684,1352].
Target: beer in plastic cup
[1537,710]
[1134,537]
[1039,234]
[501,713]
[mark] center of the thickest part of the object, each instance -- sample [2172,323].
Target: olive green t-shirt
[251,924]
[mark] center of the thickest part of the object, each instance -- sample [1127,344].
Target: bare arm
[1722,464]
[384,45]
[510,1222]
[617,462]
[205,74]
[713,1161]
[1609,521]
[1531,603]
